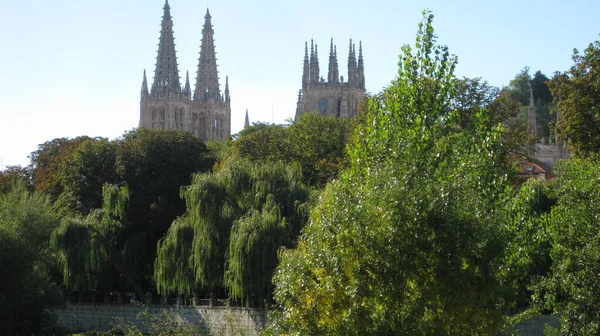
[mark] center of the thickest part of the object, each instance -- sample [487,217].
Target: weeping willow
[86,245]
[251,208]
[253,245]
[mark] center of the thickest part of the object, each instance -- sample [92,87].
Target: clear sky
[74,67]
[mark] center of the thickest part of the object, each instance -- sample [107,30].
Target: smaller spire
[306,68]
[247,120]
[187,90]
[333,75]
[227,98]
[532,114]
[361,67]
[144,85]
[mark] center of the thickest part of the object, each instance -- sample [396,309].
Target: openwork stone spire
[207,80]
[532,119]
[187,90]
[333,75]
[144,85]
[247,120]
[166,74]
[361,67]
[306,71]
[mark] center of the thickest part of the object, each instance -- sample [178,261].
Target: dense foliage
[26,264]
[578,92]
[408,241]
[407,219]
[236,220]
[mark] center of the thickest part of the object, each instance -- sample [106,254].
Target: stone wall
[212,320]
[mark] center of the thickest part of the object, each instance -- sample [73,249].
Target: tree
[236,220]
[316,142]
[472,94]
[578,101]
[83,173]
[407,241]
[12,173]
[47,163]
[570,290]
[26,222]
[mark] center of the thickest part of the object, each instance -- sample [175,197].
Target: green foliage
[316,142]
[27,290]
[572,227]
[83,173]
[407,241]
[14,173]
[90,249]
[250,208]
[578,101]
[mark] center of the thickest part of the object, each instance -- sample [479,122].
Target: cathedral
[335,96]
[167,105]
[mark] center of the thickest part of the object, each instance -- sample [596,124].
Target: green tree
[577,93]
[91,250]
[26,222]
[83,173]
[570,290]
[318,143]
[12,173]
[47,164]
[236,220]
[407,241]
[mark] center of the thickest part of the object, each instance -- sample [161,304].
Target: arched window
[154,114]
[322,106]
[161,118]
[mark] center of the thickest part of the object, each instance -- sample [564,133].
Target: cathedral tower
[206,114]
[335,96]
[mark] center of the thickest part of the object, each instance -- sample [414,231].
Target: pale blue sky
[70,68]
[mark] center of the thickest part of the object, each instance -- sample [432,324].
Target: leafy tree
[26,222]
[83,172]
[316,142]
[91,250]
[236,220]
[47,164]
[570,290]
[472,94]
[578,101]
[407,241]
[266,143]
[155,165]
[12,173]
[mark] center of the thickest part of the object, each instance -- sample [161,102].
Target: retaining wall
[211,320]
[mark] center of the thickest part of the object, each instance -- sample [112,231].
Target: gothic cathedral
[332,97]
[207,113]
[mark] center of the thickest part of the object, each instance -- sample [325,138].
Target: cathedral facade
[334,96]
[167,105]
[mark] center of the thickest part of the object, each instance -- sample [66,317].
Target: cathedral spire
[227,98]
[314,64]
[144,85]
[246,121]
[187,90]
[531,115]
[305,72]
[361,67]
[207,80]
[166,74]
[333,75]
[317,76]
[351,64]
